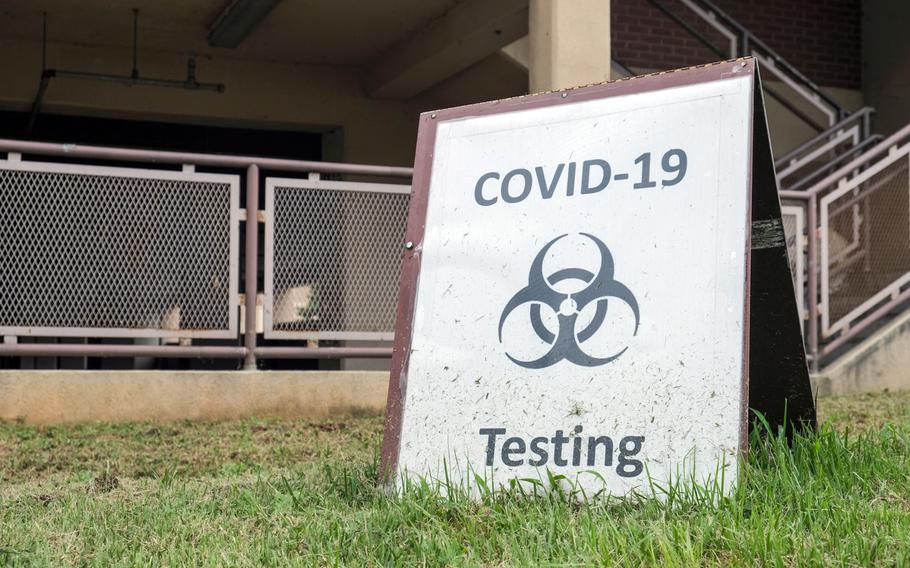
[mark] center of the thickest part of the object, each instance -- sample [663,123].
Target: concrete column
[569,43]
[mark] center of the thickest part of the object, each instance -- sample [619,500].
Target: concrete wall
[52,397]
[881,362]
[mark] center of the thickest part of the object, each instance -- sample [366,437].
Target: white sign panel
[580,297]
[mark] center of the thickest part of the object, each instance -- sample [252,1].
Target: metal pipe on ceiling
[133,79]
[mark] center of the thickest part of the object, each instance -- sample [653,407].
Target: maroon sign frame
[775,374]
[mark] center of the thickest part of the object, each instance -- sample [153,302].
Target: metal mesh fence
[794,221]
[867,249]
[92,251]
[333,255]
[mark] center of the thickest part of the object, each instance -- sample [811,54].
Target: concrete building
[292,125]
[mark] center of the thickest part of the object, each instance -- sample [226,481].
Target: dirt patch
[106,482]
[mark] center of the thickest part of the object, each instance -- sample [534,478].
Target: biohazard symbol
[566,342]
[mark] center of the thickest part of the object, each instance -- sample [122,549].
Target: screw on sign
[581,309]
[565,342]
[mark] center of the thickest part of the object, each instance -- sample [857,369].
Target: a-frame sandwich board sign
[595,284]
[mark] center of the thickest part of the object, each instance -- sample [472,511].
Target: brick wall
[821,38]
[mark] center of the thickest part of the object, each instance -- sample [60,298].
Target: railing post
[252,265]
[812,223]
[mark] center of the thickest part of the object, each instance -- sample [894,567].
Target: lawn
[264,492]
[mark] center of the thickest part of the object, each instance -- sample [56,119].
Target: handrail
[692,31]
[755,41]
[861,113]
[797,112]
[734,28]
[222,160]
[854,151]
[881,148]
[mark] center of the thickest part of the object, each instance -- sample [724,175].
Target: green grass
[297,493]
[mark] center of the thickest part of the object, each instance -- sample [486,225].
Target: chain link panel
[333,257]
[868,242]
[95,251]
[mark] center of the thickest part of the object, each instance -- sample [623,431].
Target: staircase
[845,195]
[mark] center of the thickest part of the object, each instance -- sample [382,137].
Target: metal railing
[161,252]
[743,43]
[825,152]
[103,251]
[857,245]
[332,255]
[740,42]
[842,137]
[846,193]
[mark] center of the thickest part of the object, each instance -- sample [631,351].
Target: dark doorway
[164,135]
[182,137]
